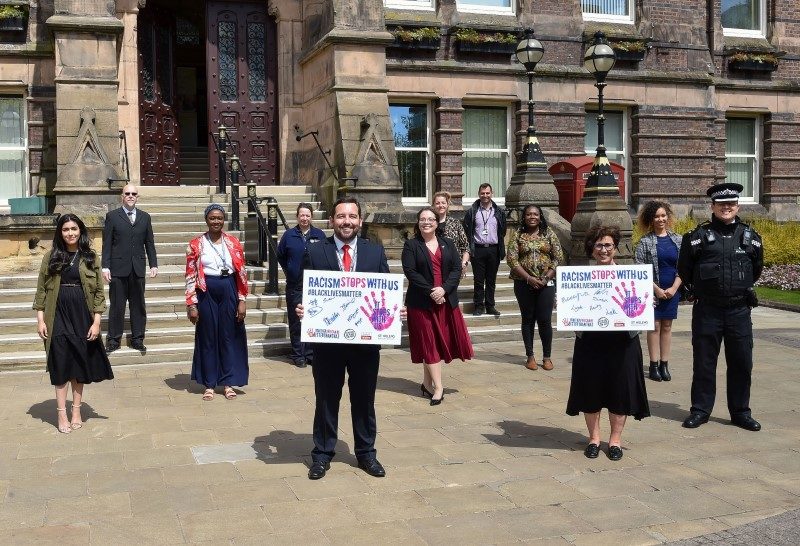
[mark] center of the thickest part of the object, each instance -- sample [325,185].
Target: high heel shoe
[436,402]
[79,424]
[65,429]
[425,392]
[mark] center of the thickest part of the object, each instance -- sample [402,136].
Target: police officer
[720,260]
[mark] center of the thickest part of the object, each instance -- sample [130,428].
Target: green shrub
[416,35]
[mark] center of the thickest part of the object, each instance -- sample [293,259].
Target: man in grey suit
[127,235]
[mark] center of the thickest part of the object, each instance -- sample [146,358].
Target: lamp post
[531,183]
[601,203]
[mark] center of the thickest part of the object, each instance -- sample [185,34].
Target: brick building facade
[703,91]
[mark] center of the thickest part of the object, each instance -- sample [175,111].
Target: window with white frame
[412,143]
[619,11]
[614,136]
[13,147]
[410,4]
[503,7]
[743,17]
[486,149]
[742,151]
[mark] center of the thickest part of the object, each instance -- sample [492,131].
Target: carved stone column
[87,126]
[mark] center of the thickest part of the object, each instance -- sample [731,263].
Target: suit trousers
[120,290]
[294,296]
[485,264]
[361,364]
[710,326]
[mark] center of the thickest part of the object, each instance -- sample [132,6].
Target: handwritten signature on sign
[378,314]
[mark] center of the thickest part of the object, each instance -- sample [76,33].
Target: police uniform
[720,263]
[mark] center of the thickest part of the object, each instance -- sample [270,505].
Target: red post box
[570,179]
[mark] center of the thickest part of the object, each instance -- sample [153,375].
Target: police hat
[725,192]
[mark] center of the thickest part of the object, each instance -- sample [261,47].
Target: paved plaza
[498,462]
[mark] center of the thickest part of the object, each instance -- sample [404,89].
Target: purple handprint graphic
[629,302]
[379,316]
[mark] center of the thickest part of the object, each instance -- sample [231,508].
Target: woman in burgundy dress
[436,328]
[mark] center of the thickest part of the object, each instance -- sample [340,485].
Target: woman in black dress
[69,303]
[606,366]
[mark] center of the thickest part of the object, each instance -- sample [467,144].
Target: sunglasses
[133,193]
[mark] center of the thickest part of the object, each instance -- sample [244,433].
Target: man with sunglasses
[127,236]
[720,261]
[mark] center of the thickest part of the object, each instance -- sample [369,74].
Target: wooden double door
[231,52]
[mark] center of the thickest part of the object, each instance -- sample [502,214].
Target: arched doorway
[199,69]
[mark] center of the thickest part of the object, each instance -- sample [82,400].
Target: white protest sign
[352,307]
[605,297]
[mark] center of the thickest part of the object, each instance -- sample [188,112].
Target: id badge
[485,232]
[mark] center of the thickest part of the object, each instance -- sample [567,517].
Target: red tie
[346,262]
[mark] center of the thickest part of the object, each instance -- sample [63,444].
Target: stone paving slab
[498,462]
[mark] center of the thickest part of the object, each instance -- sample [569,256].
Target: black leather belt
[485,245]
[68,284]
[735,301]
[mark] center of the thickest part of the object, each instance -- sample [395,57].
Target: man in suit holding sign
[127,235]
[345,251]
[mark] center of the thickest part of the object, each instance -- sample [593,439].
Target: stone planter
[426,44]
[752,66]
[630,56]
[15,24]
[486,48]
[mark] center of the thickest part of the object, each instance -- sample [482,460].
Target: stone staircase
[177,215]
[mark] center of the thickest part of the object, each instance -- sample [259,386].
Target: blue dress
[667,271]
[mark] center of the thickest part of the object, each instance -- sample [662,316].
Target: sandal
[65,429]
[230,394]
[208,395]
[547,364]
[78,424]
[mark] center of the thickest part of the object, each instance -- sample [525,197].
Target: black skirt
[607,373]
[71,355]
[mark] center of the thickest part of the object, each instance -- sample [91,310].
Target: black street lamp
[531,183]
[599,60]
[529,52]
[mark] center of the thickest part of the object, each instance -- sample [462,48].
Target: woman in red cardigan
[216,292]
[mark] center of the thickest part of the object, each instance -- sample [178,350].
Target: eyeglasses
[604,246]
[426,221]
[133,193]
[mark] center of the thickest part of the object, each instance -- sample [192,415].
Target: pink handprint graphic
[629,302]
[379,316]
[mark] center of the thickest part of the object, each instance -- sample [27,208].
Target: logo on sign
[349,334]
[602,322]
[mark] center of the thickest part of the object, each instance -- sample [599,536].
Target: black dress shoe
[663,369]
[592,451]
[746,422]
[372,467]
[111,345]
[492,311]
[695,420]
[317,470]
[138,345]
[478,311]
[425,392]
[655,374]
[300,362]
[614,453]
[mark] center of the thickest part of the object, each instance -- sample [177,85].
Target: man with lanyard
[485,226]
[720,261]
[345,251]
[291,249]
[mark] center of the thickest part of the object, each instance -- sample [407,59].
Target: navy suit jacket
[125,244]
[370,257]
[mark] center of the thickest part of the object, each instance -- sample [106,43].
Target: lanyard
[221,256]
[485,218]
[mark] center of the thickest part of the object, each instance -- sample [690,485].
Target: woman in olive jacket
[69,303]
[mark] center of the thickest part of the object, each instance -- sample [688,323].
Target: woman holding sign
[436,328]
[533,256]
[216,290]
[660,246]
[606,366]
